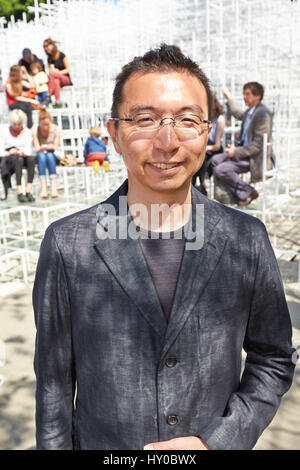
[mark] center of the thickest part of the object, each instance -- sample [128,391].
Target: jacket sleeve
[269,368]
[53,362]
[235,110]
[262,125]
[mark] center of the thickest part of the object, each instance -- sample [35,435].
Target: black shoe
[21,198]
[246,202]
[29,197]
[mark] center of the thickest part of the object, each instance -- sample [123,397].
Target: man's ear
[111,127]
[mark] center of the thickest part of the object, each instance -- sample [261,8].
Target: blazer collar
[124,258]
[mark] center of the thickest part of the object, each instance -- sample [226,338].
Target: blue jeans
[46,160]
[42,96]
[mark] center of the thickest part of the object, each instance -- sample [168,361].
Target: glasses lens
[146,121]
[188,121]
[184,125]
[189,125]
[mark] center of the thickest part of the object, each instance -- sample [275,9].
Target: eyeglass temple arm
[121,119]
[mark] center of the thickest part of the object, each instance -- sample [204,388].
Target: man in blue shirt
[248,156]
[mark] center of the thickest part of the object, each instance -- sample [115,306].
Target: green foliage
[16,8]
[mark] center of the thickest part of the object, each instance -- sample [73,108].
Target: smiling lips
[164,166]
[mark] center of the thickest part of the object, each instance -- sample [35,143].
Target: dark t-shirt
[27,65]
[163,257]
[58,63]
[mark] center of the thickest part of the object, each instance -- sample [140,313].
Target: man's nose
[166,138]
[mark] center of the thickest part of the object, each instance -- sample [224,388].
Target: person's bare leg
[54,192]
[44,192]
[28,188]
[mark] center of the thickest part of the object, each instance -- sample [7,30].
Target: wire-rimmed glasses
[184,124]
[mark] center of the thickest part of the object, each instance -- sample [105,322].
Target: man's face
[168,95]
[250,99]
[29,59]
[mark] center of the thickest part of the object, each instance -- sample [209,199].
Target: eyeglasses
[184,124]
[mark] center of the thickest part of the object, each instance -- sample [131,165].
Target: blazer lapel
[196,268]
[125,259]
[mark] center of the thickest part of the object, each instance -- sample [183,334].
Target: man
[29,58]
[142,314]
[248,156]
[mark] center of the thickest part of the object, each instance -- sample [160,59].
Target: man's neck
[159,211]
[253,105]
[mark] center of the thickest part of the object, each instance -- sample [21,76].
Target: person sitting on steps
[46,140]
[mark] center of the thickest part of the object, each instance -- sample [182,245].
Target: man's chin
[171,186]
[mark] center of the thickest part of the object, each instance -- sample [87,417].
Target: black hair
[256,88]
[163,59]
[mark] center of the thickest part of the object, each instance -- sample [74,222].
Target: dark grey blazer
[260,124]
[102,337]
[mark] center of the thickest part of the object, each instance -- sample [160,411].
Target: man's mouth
[164,166]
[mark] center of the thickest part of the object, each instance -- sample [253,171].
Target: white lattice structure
[236,41]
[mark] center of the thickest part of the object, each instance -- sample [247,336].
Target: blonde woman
[16,147]
[46,140]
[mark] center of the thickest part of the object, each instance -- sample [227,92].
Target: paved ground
[17,429]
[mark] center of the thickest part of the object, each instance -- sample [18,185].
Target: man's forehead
[173,78]
[143,90]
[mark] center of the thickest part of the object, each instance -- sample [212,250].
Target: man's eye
[188,122]
[144,121]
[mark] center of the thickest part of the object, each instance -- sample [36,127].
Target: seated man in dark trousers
[143,303]
[248,156]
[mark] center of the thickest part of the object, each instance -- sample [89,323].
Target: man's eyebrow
[138,108]
[194,108]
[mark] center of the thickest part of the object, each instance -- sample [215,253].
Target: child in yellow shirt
[41,81]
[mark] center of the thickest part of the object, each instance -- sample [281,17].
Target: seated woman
[16,89]
[46,140]
[58,70]
[16,148]
[214,143]
[94,148]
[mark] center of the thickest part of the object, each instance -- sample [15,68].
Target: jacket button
[172,420]
[171,361]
